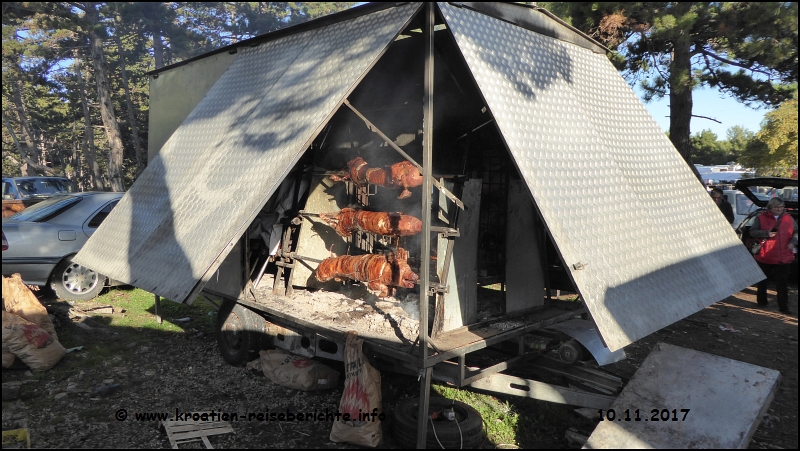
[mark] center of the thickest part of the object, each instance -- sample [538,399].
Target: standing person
[778,233]
[724,205]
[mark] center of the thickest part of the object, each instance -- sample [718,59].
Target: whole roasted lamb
[399,175]
[381,272]
[385,223]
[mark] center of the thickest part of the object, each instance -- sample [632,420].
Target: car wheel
[237,338]
[465,432]
[73,282]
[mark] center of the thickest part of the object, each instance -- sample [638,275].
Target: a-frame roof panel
[187,209]
[644,250]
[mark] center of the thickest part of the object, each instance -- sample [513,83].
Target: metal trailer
[532,150]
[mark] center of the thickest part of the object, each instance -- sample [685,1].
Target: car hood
[745,185]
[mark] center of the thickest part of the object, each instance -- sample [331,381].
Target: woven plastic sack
[20,300]
[296,372]
[30,343]
[361,397]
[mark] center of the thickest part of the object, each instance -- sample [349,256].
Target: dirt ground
[66,407]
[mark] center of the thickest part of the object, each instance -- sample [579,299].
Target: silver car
[40,241]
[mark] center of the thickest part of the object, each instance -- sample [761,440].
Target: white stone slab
[725,400]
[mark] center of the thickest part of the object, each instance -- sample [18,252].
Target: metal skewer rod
[394,146]
[301,257]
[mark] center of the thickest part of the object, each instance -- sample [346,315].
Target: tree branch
[711,70]
[733,63]
[31,164]
[78,5]
[40,168]
[705,117]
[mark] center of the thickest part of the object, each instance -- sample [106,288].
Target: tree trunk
[158,48]
[24,161]
[26,147]
[680,97]
[107,109]
[87,147]
[131,112]
[76,174]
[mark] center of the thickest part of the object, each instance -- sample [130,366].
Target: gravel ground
[161,372]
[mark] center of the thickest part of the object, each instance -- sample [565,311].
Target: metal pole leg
[158,309]
[424,403]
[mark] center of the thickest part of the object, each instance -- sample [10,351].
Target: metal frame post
[157,309]
[425,254]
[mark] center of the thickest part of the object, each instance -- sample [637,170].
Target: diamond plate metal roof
[183,215]
[618,199]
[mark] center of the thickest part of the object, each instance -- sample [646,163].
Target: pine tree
[744,49]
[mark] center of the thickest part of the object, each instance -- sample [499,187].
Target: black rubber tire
[73,282]
[236,339]
[571,352]
[404,425]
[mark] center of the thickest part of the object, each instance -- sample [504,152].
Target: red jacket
[774,250]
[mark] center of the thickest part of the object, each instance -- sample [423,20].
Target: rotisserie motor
[383,223]
[399,175]
[381,273]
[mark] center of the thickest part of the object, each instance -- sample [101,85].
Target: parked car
[760,191]
[741,204]
[22,192]
[40,241]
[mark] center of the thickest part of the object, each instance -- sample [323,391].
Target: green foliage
[744,49]
[42,93]
[707,150]
[774,151]
[738,138]
[757,40]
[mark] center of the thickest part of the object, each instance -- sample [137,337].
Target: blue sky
[709,103]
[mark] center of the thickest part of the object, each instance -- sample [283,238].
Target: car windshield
[47,209]
[44,187]
[743,204]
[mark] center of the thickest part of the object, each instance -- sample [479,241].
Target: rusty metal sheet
[642,240]
[185,212]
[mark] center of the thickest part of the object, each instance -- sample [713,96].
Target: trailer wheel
[469,436]
[235,338]
[571,352]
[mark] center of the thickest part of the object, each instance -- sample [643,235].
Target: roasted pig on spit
[399,175]
[380,222]
[381,272]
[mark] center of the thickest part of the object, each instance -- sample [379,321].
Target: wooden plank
[204,428]
[180,432]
